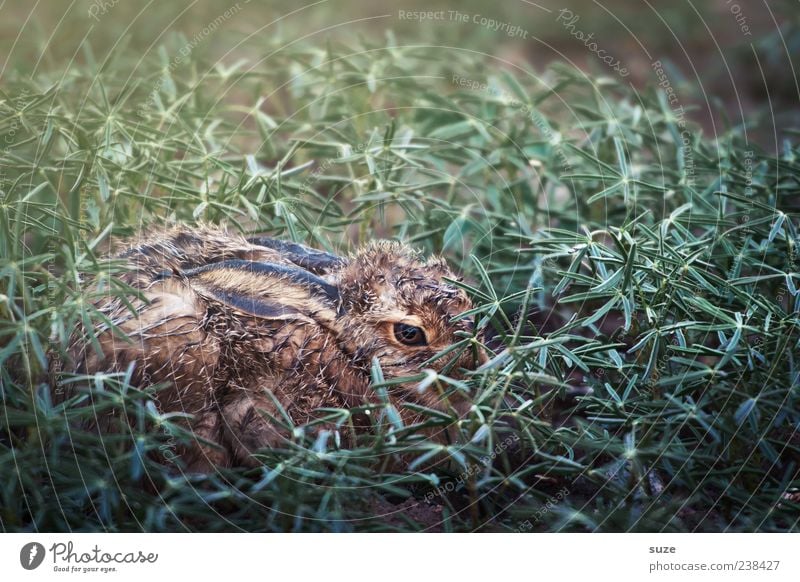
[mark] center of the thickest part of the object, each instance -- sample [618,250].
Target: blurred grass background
[708,46]
[637,270]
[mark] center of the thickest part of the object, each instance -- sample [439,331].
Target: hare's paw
[208,451]
[249,427]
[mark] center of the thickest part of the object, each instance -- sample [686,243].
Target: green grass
[638,281]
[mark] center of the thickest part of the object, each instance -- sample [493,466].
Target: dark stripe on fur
[315,284]
[253,305]
[301,255]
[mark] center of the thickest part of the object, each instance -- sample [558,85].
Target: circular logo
[31,555]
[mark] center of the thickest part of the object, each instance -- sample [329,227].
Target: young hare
[232,325]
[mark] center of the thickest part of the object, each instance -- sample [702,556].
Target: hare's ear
[312,260]
[267,290]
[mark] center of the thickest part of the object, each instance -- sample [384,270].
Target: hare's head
[400,308]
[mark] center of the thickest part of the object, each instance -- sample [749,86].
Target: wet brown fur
[226,322]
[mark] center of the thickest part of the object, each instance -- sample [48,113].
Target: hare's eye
[409,334]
